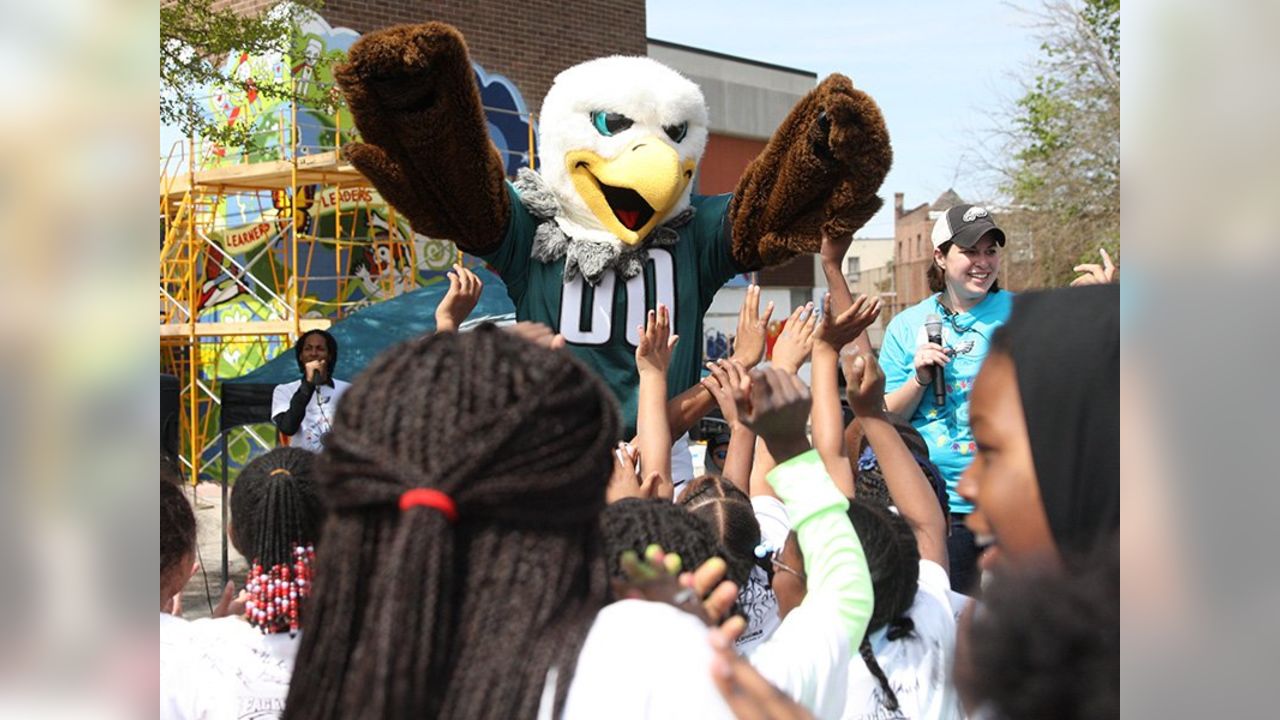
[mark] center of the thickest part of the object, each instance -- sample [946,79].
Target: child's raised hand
[865,384]
[1095,274]
[464,292]
[659,577]
[727,376]
[653,354]
[840,330]
[753,329]
[777,409]
[796,341]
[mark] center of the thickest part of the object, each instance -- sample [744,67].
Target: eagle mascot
[608,225]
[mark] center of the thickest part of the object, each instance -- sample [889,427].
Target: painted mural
[353,250]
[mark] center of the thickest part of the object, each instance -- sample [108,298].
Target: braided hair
[277,513]
[423,613]
[719,503]
[634,523]
[177,528]
[894,561]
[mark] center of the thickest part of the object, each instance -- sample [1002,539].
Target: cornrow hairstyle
[423,613]
[634,524]
[894,561]
[177,527]
[719,503]
[276,514]
[328,340]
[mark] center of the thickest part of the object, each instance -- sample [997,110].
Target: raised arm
[832,256]
[838,595]
[653,357]
[908,486]
[833,334]
[726,377]
[412,92]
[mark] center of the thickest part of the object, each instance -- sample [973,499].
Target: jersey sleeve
[511,259]
[715,240]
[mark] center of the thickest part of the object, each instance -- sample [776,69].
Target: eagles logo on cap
[965,225]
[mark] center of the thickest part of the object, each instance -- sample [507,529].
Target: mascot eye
[676,132]
[609,124]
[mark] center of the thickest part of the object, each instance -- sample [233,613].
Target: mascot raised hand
[608,225]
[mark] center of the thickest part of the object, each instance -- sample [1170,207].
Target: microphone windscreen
[932,325]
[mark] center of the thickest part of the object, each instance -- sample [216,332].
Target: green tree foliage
[1061,166]
[195,40]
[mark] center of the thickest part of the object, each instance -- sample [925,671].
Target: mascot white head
[620,139]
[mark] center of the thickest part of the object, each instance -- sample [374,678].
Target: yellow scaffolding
[192,187]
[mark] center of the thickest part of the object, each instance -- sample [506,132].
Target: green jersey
[599,323]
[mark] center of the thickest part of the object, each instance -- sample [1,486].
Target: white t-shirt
[319,415]
[643,660]
[917,666]
[238,673]
[177,665]
[756,599]
[807,659]
[681,465]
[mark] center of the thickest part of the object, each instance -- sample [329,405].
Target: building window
[852,267]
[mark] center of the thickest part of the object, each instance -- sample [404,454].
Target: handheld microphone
[933,328]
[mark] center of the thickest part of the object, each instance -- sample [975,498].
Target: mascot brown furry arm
[426,144]
[426,148]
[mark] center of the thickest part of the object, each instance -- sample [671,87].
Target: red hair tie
[426,497]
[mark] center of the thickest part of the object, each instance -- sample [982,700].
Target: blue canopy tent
[361,337]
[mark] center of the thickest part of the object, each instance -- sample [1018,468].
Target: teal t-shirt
[945,428]
[599,322]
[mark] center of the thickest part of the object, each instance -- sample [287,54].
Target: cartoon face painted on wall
[621,140]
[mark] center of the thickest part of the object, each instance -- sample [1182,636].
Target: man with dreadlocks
[245,662]
[302,410]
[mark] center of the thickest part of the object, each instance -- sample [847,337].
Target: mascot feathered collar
[621,139]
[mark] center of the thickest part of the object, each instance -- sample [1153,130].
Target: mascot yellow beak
[631,192]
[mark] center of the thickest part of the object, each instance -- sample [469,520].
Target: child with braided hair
[910,640]
[463,573]
[246,660]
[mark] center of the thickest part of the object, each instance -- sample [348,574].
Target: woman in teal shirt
[970,304]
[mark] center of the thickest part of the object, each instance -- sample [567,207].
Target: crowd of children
[475,538]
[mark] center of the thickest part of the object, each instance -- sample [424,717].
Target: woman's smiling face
[970,272]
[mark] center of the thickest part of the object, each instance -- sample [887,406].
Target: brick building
[913,249]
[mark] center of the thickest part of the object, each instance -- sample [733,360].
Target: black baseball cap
[965,225]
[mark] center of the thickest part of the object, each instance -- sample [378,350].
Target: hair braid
[276,515]
[413,616]
[894,561]
[890,698]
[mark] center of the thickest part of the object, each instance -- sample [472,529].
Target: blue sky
[942,72]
